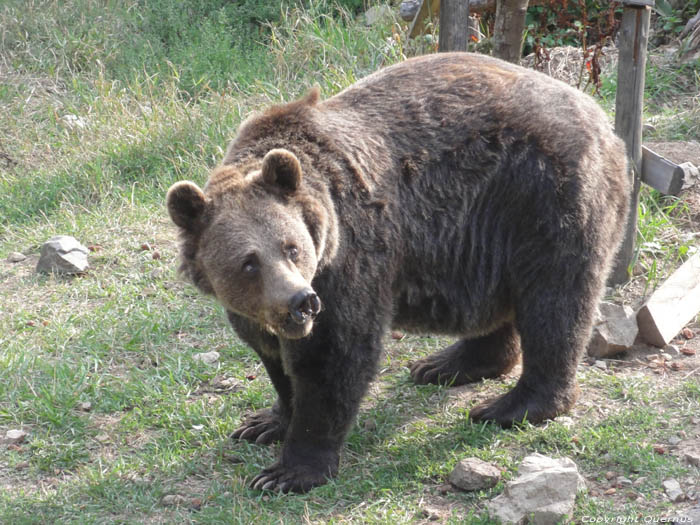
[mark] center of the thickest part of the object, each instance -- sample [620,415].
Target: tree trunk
[508,29]
[454,25]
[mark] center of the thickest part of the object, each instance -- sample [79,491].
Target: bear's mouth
[296,327]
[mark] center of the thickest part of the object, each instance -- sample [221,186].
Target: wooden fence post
[454,25]
[629,102]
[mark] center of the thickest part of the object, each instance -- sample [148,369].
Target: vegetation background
[104,104]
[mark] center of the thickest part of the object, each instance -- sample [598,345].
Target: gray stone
[689,516]
[543,492]
[690,452]
[63,254]
[623,482]
[15,257]
[474,474]
[614,332]
[674,441]
[13,437]
[208,358]
[408,9]
[602,365]
[673,490]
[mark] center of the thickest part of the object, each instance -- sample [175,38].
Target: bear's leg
[554,320]
[330,374]
[270,425]
[470,360]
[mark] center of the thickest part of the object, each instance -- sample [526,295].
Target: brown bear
[455,194]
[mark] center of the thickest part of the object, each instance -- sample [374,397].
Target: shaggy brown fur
[451,193]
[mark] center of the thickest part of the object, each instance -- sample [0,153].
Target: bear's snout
[304,305]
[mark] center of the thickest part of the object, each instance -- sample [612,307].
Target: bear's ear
[281,168]
[186,205]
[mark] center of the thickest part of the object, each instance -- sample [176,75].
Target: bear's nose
[304,305]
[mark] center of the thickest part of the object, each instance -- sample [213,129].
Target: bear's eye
[292,253]
[250,265]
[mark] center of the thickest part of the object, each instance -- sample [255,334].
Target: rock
[208,358]
[408,9]
[544,492]
[73,121]
[64,255]
[673,490]
[370,425]
[622,481]
[692,174]
[15,257]
[602,365]
[566,421]
[614,331]
[689,516]
[85,406]
[672,350]
[690,451]
[378,14]
[474,474]
[173,500]
[674,441]
[13,437]
[640,481]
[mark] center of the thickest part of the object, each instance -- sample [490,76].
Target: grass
[104,106]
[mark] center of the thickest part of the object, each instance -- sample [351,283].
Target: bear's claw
[301,478]
[263,427]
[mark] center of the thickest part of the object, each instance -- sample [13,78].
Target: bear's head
[255,238]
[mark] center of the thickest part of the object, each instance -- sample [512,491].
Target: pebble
[172,500]
[15,436]
[601,365]
[673,490]
[208,358]
[85,406]
[674,441]
[15,257]
[639,481]
[623,482]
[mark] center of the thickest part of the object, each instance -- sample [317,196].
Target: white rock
[62,254]
[74,121]
[15,436]
[474,474]
[15,257]
[673,490]
[614,332]
[173,500]
[692,174]
[601,365]
[208,358]
[544,490]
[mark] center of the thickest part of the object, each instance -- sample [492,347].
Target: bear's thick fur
[452,193]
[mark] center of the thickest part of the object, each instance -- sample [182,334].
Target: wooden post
[508,29]
[629,102]
[454,25]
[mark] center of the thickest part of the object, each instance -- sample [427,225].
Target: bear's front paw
[263,427]
[298,478]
